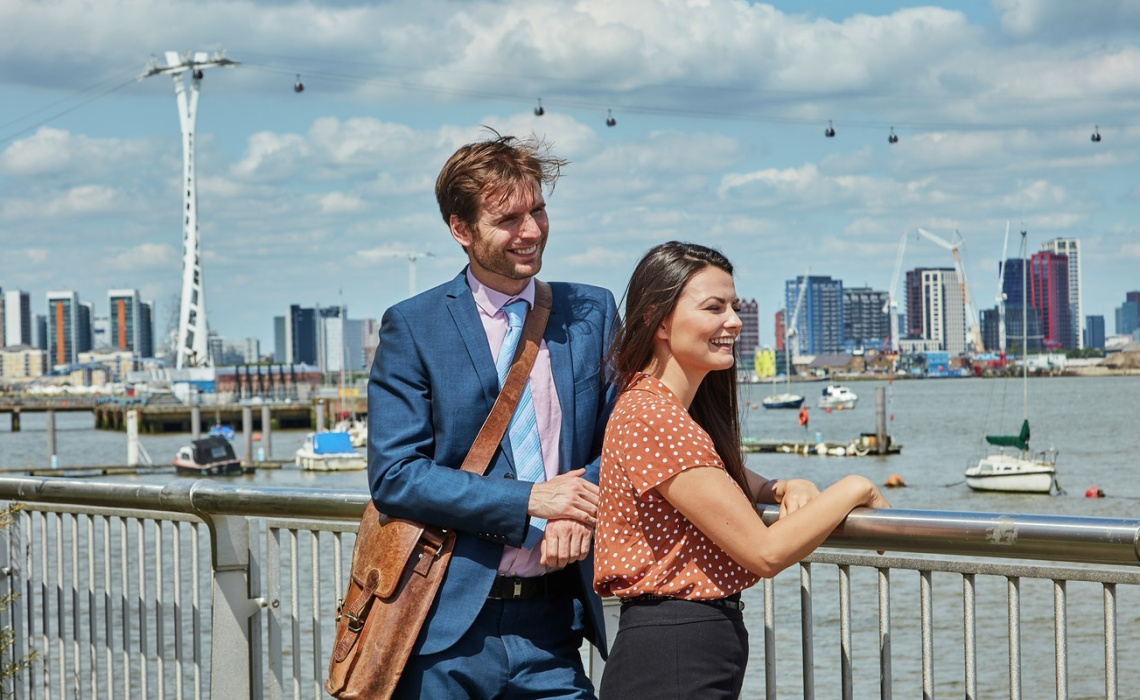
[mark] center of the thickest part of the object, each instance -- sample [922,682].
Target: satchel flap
[385,545]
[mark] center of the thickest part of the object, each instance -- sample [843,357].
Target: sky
[316,197]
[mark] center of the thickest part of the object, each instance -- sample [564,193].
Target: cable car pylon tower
[192,330]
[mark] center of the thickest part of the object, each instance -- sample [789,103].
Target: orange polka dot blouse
[642,544]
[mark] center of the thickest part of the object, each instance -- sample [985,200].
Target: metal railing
[124,589]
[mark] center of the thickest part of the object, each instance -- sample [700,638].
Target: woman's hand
[793,494]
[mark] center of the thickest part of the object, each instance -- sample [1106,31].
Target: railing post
[234,672]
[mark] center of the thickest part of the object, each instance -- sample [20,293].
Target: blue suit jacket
[432,384]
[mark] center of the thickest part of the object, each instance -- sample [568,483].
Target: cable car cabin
[198,74]
[1096,135]
[610,121]
[298,86]
[829,132]
[539,111]
[893,138]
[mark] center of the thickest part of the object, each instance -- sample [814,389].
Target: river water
[1092,422]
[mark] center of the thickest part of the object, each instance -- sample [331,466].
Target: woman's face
[701,331]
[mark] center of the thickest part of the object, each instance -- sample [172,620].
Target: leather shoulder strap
[479,456]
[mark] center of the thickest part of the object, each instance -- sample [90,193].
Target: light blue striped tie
[523,432]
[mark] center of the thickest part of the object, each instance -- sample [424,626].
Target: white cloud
[341,203]
[140,257]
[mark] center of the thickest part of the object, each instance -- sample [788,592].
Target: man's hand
[565,496]
[565,542]
[793,494]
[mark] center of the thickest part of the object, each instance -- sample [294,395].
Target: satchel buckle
[355,623]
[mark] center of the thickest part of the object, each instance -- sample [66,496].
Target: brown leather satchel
[398,565]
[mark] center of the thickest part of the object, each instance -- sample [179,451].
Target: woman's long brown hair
[654,288]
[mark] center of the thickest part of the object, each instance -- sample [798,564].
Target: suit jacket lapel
[461,306]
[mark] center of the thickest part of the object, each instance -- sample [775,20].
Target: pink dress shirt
[547,410]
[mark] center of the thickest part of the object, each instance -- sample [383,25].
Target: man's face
[505,245]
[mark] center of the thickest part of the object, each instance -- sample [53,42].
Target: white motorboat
[329,452]
[838,397]
[785,400]
[209,456]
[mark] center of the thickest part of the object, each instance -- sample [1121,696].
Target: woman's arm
[710,500]
[790,494]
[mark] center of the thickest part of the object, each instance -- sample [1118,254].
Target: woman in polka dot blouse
[678,537]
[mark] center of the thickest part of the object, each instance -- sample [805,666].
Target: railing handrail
[1047,537]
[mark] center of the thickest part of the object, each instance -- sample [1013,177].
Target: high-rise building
[126,319]
[39,332]
[301,336]
[1094,332]
[936,309]
[780,328]
[1128,315]
[991,335]
[101,332]
[17,312]
[279,352]
[1071,248]
[865,323]
[749,338]
[146,329]
[86,335]
[62,327]
[1049,294]
[819,325]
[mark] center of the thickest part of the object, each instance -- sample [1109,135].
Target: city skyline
[719,139]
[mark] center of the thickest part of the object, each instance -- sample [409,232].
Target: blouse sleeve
[658,445]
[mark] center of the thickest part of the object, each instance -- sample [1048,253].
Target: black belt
[732,602]
[553,585]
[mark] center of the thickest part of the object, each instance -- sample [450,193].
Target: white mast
[193,349]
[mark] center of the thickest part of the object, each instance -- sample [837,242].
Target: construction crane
[792,330]
[1001,292]
[971,315]
[412,256]
[892,305]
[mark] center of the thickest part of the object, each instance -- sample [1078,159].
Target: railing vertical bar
[886,681]
[845,664]
[45,618]
[806,638]
[73,577]
[1110,681]
[92,617]
[1061,637]
[60,610]
[257,623]
[19,554]
[195,601]
[108,609]
[140,550]
[1014,634]
[927,617]
[176,551]
[273,575]
[970,635]
[769,638]
[295,612]
[159,609]
[315,604]
[125,606]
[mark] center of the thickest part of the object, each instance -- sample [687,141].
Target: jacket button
[508,475]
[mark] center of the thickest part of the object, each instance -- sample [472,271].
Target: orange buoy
[1094,492]
[894,481]
[256,437]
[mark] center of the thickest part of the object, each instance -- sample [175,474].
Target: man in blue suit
[510,615]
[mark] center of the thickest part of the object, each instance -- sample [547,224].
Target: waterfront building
[17,313]
[39,332]
[301,336]
[21,363]
[1071,249]
[1094,332]
[100,332]
[991,333]
[819,326]
[107,365]
[1128,315]
[146,329]
[63,327]
[866,323]
[369,339]
[936,308]
[279,352]
[749,338]
[781,329]
[1049,294]
[126,319]
[86,327]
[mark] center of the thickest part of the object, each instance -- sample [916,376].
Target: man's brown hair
[484,170]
